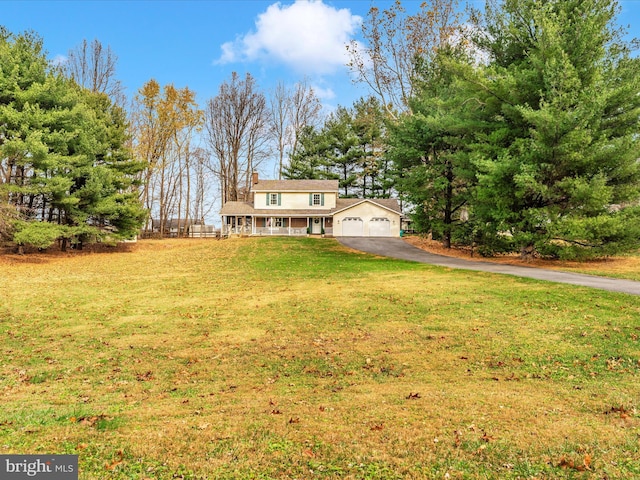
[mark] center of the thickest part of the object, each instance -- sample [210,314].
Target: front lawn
[296,358]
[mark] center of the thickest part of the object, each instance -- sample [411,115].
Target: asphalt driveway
[398,248]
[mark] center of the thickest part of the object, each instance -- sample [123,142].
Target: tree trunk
[448,201]
[527,252]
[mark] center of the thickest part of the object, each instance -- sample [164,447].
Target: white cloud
[59,60]
[323,93]
[308,36]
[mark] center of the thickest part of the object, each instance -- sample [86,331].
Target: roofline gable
[368,200]
[308,186]
[303,190]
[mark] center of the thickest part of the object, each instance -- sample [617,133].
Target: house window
[273,199]
[278,222]
[316,199]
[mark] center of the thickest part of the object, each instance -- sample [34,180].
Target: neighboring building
[180,227]
[301,207]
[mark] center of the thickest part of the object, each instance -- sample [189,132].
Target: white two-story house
[302,207]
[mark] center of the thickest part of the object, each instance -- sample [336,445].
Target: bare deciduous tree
[236,125]
[204,199]
[94,67]
[396,43]
[291,109]
[165,121]
[279,110]
[305,111]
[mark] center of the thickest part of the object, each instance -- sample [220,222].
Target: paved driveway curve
[398,248]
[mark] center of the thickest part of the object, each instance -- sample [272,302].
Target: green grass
[625,267]
[296,358]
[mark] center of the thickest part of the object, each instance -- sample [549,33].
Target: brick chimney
[254,180]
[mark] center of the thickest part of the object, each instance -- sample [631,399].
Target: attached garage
[366,218]
[352,227]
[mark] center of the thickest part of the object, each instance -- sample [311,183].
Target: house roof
[387,203]
[296,186]
[244,208]
[237,208]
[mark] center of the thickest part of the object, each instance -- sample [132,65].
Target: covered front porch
[274,225]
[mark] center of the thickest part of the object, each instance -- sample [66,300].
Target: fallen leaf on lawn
[570,463]
[90,421]
[144,377]
[621,410]
[115,463]
[413,396]
[486,437]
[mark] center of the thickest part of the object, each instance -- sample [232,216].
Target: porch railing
[298,231]
[280,231]
[241,230]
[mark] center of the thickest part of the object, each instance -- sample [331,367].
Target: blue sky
[199,43]
[184,42]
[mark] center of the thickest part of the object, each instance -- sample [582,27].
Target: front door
[316,226]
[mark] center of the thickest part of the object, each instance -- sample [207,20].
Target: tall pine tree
[558,173]
[429,147]
[310,161]
[65,169]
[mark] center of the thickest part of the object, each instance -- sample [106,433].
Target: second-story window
[273,199]
[316,199]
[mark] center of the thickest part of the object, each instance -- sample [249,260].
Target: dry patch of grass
[294,358]
[619,267]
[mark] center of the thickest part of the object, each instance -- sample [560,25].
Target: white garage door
[352,227]
[379,227]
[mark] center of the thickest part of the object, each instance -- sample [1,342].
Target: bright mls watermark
[39,467]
